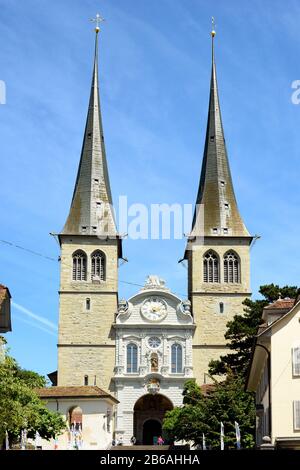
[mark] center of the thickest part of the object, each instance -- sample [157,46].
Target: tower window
[79,266]
[211,267]
[215,230]
[221,305]
[226,205]
[176,358]
[88,304]
[212,138]
[231,268]
[222,183]
[132,358]
[98,266]
[225,231]
[86,380]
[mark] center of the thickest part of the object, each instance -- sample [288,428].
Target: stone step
[140,447]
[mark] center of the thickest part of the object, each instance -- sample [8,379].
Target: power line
[50,258]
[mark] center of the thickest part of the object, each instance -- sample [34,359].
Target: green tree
[20,406]
[227,402]
[242,329]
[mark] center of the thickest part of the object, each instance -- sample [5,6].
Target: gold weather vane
[213,32]
[97,20]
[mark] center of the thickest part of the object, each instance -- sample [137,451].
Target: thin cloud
[35,325]
[34,316]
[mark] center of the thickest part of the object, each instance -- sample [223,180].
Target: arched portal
[152,429]
[149,412]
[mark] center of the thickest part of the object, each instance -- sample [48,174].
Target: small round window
[154,342]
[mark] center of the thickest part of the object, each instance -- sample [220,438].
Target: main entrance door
[149,412]
[151,431]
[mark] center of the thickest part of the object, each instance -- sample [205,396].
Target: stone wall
[86,344]
[214,304]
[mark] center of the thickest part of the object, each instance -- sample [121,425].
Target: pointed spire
[216,202]
[91,211]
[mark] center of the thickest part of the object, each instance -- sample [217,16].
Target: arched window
[132,354]
[98,266]
[86,380]
[176,358]
[75,418]
[211,267]
[231,267]
[79,266]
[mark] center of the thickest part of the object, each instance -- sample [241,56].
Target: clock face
[154,309]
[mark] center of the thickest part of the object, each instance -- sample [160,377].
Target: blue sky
[154,71]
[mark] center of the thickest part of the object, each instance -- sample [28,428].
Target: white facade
[275,377]
[97,424]
[151,325]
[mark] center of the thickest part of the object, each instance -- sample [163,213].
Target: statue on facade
[154,282]
[123,306]
[186,307]
[154,363]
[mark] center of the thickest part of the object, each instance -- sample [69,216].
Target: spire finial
[97,20]
[213,32]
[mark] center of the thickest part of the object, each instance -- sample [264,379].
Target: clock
[154,309]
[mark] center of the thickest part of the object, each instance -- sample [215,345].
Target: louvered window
[231,268]
[79,266]
[98,266]
[297,415]
[210,267]
[296,361]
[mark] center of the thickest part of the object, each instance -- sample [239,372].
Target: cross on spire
[98,19]
[213,31]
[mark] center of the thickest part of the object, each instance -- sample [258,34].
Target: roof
[286,303]
[216,193]
[52,376]
[91,211]
[74,392]
[4,291]
[5,313]
[207,388]
[277,308]
[286,313]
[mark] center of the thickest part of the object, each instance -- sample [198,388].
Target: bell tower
[90,249]
[218,248]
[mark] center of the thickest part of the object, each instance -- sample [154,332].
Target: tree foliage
[20,406]
[242,329]
[227,402]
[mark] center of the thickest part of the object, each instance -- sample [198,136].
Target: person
[133,440]
[160,441]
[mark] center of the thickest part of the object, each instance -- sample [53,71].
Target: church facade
[142,350]
[154,331]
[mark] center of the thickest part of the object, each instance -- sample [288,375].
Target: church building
[137,353]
